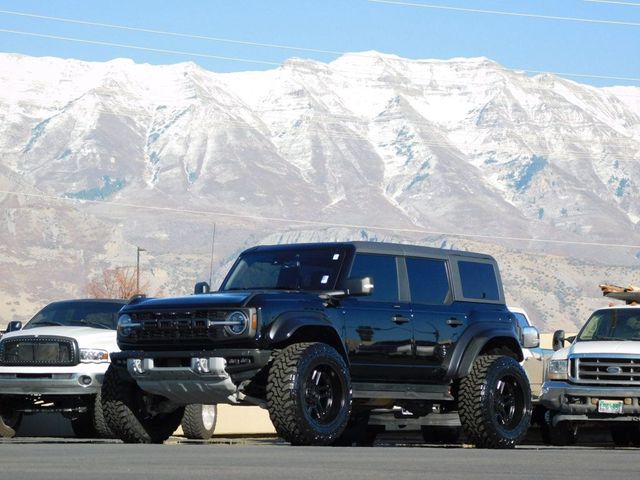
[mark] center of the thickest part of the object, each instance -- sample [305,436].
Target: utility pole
[138,250]
[213,242]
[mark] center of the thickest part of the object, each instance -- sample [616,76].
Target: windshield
[613,324]
[302,269]
[78,313]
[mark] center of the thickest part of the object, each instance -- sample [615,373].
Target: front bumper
[194,377]
[580,402]
[51,381]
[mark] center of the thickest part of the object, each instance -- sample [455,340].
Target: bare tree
[119,282]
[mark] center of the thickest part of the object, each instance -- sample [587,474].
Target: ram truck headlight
[236,323]
[93,355]
[125,325]
[558,369]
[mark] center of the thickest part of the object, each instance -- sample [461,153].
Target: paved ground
[267,458]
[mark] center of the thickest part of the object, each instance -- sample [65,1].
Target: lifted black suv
[320,335]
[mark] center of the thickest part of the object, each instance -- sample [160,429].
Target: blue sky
[600,38]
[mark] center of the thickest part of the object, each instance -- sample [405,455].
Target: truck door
[437,323]
[378,329]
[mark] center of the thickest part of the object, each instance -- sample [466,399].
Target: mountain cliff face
[117,155]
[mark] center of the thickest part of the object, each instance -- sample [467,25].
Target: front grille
[39,351]
[185,326]
[605,370]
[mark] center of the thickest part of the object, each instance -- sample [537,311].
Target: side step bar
[402,391]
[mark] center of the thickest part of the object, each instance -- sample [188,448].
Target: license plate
[610,406]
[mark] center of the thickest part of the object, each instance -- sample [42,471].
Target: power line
[506,13]
[135,47]
[249,43]
[173,34]
[629,4]
[316,223]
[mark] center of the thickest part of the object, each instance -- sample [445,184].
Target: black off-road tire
[9,422]
[91,424]
[199,421]
[495,402]
[126,414]
[99,422]
[11,418]
[309,394]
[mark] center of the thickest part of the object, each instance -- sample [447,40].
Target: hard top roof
[375,247]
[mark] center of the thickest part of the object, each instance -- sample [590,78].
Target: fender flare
[289,323]
[472,342]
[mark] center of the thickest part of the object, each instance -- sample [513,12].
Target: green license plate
[610,406]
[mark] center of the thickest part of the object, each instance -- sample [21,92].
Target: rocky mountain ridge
[118,155]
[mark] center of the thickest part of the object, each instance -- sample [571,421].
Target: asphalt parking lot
[55,458]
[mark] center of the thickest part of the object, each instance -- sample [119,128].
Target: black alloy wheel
[309,394]
[495,402]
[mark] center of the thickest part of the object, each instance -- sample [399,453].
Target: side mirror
[201,287]
[530,337]
[558,340]
[14,326]
[359,286]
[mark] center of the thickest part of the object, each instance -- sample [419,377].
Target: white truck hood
[85,336]
[627,347]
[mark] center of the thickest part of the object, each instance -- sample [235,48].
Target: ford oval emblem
[614,370]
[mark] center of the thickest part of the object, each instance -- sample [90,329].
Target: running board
[400,391]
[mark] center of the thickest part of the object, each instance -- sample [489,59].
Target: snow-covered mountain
[127,155]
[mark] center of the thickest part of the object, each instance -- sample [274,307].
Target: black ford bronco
[322,334]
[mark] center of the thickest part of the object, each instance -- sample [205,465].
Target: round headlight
[124,325]
[237,323]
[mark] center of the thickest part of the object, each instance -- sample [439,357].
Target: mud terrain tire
[495,402]
[199,421]
[309,394]
[126,414]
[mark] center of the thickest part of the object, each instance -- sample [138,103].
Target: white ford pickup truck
[596,379]
[57,361]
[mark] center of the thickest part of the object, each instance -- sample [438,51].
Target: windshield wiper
[47,322]
[97,325]
[605,338]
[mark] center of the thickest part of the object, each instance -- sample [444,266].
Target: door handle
[454,322]
[399,319]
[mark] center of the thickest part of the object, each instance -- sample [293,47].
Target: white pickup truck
[596,379]
[56,363]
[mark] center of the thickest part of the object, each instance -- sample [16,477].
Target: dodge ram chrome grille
[605,370]
[39,351]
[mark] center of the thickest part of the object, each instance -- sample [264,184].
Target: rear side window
[478,280]
[384,272]
[428,281]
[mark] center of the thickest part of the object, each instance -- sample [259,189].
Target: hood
[628,347]
[205,300]
[85,336]
[219,300]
